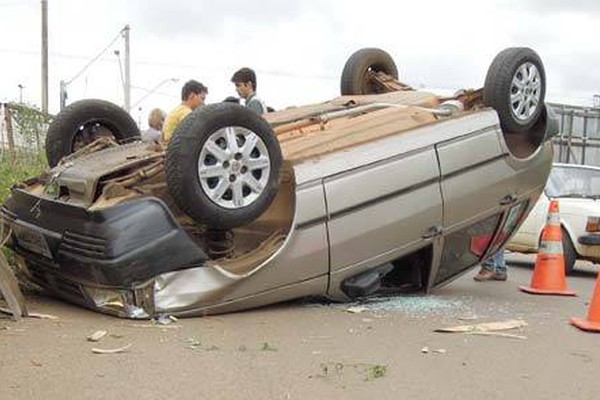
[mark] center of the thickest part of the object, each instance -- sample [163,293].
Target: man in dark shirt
[245,85]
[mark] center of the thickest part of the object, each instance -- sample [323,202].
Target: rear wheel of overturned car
[515,86]
[357,73]
[223,165]
[82,122]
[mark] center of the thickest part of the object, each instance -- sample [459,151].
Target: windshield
[573,182]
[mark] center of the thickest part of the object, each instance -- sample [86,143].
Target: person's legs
[493,268]
[499,263]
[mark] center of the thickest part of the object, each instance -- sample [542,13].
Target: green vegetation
[26,158]
[13,172]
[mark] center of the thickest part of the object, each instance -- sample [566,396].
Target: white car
[577,188]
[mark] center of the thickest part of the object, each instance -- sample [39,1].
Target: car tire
[569,253]
[83,122]
[211,174]
[515,86]
[354,76]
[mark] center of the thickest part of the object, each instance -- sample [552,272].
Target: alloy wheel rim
[234,167]
[525,92]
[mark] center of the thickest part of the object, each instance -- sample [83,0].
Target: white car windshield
[573,182]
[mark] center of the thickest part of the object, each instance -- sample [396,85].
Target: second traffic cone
[592,323]
[549,273]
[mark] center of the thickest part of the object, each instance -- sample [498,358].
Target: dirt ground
[312,350]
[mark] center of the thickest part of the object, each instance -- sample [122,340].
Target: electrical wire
[95,58]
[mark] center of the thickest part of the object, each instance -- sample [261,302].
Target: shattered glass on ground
[414,306]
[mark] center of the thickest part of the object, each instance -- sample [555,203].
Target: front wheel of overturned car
[515,86]
[356,76]
[223,165]
[84,121]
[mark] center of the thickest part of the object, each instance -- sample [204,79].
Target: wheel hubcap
[525,92]
[233,167]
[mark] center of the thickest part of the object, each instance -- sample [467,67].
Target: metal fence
[579,139]
[22,131]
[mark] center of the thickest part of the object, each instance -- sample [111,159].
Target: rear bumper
[589,240]
[67,248]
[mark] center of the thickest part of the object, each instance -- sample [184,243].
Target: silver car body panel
[426,177]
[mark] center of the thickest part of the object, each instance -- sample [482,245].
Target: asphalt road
[312,350]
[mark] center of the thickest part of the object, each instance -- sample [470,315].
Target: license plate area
[31,239]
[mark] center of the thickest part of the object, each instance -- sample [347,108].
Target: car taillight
[593,224]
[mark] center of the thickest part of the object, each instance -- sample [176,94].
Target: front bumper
[99,259]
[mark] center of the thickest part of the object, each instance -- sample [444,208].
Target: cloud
[554,6]
[181,17]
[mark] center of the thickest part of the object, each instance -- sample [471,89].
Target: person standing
[493,269]
[245,86]
[193,95]
[156,120]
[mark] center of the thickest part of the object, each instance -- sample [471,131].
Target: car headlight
[593,224]
[137,303]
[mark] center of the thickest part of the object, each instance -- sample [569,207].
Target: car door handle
[508,199]
[432,232]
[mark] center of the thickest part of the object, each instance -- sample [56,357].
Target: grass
[13,172]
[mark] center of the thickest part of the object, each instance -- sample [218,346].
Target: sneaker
[489,275]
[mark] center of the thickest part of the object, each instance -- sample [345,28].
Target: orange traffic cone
[549,273]
[592,323]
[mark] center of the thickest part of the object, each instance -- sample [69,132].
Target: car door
[382,210]
[476,183]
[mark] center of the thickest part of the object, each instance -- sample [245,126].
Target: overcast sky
[298,48]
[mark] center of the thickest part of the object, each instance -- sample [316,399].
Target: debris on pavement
[426,350]
[30,314]
[499,334]
[96,336]
[42,316]
[420,306]
[489,329]
[485,327]
[193,343]
[356,309]
[164,319]
[9,286]
[159,326]
[111,351]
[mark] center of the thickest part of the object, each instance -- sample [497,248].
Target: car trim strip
[311,223]
[474,166]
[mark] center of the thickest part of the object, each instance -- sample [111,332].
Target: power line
[95,58]
[172,65]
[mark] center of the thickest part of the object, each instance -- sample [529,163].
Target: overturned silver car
[382,190]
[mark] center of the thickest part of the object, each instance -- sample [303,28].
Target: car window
[573,182]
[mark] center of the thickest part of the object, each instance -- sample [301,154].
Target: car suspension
[219,243]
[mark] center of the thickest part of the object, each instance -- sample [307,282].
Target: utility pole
[127,85]
[45,56]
